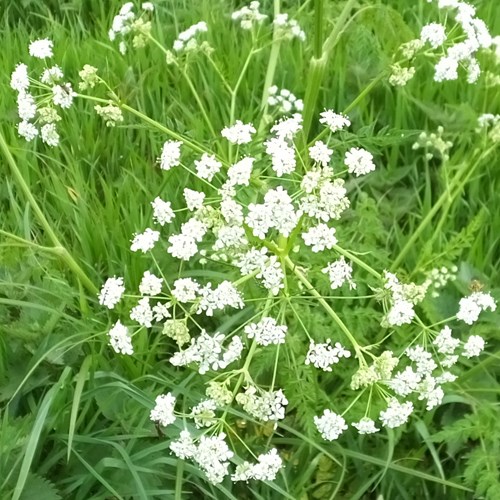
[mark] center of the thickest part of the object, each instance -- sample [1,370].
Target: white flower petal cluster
[162,211]
[329,199]
[209,353]
[474,346]
[150,284]
[265,406]
[62,95]
[266,331]
[211,454]
[184,245]
[434,34]
[470,307]
[119,339]
[396,413]
[239,133]
[143,313]
[267,467]
[41,49]
[145,241]
[194,199]
[19,80]
[320,153]
[186,40]
[230,237]
[163,411]
[365,426]
[170,155]
[111,292]
[359,161]
[52,75]
[277,212]
[334,121]
[213,299]
[464,52]
[249,15]
[445,342]
[339,272]
[323,356]
[239,173]
[185,290]
[284,100]
[330,425]
[207,166]
[320,237]
[289,27]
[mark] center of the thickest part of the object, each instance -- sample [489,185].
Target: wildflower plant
[259,241]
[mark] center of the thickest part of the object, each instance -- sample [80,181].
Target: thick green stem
[318,66]
[328,309]
[271,68]
[47,227]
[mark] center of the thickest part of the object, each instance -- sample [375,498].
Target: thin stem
[64,254]
[358,261]
[291,265]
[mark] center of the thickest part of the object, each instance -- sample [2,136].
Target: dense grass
[74,415]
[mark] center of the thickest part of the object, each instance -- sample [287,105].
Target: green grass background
[75,416]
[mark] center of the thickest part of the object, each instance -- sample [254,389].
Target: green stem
[358,261]
[47,227]
[328,309]
[271,68]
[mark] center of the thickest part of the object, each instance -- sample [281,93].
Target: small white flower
[27,130]
[162,211]
[119,339]
[194,199]
[396,413]
[49,134]
[145,241]
[470,307]
[239,133]
[365,426]
[434,34]
[185,289]
[322,356]
[359,161]
[170,155]
[474,346]
[19,79]
[320,153]
[334,121]
[163,412]
[111,292]
[150,284]
[41,48]
[142,313]
[207,166]
[320,237]
[339,273]
[63,95]
[266,332]
[330,425]
[52,75]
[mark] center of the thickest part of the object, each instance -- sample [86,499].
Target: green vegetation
[74,415]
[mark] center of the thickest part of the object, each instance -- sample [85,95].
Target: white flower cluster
[403,297]
[339,272]
[323,356]
[330,425]
[111,292]
[128,24]
[211,454]
[289,28]
[470,307]
[187,40]
[284,100]
[334,121]
[266,332]
[163,412]
[268,406]
[267,467]
[239,133]
[119,338]
[249,16]
[434,144]
[41,119]
[209,353]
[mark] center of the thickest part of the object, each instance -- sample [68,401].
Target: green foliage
[74,417]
